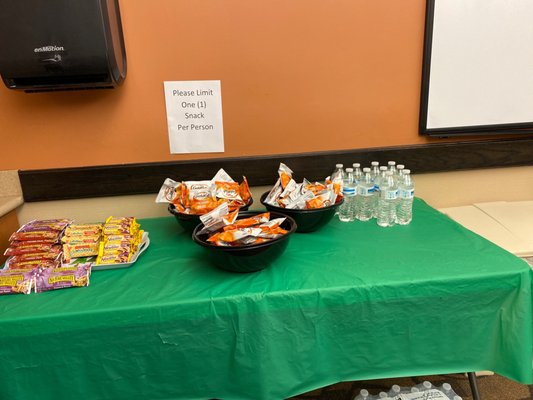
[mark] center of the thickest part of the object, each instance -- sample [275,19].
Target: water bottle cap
[400,166]
[356,165]
[339,165]
[382,395]
[364,392]
[457,398]
[374,163]
[349,169]
[383,168]
[406,171]
[392,163]
[414,389]
[446,386]
[396,388]
[427,384]
[366,169]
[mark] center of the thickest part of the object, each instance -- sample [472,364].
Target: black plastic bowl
[249,258]
[307,220]
[190,221]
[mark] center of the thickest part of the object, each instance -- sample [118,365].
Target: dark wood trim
[128,179]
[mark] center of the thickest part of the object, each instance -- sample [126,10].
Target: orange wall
[296,76]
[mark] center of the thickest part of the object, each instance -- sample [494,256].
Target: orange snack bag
[246,222]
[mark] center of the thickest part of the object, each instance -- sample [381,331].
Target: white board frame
[477,76]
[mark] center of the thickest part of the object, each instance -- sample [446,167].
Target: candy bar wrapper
[81,239]
[168,192]
[16,281]
[71,251]
[45,225]
[83,230]
[42,236]
[113,258]
[31,248]
[59,278]
[11,264]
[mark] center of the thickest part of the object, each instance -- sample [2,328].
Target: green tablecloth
[352,301]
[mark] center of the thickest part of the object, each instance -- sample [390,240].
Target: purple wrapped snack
[16,281]
[65,277]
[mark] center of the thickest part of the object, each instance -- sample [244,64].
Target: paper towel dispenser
[61,44]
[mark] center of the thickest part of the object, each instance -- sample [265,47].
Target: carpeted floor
[492,387]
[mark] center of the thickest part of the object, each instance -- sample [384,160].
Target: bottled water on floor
[406,192]
[363,395]
[365,199]
[386,214]
[395,390]
[348,209]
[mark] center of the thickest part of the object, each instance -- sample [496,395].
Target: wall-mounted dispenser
[61,44]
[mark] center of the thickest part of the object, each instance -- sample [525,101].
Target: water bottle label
[348,191]
[390,194]
[407,193]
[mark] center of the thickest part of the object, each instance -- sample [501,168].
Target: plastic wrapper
[247,231]
[16,281]
[12,263]
[41,236]
[201,197]
[83,230]
[286,193]
[45,225]
[40,247]
[59,278]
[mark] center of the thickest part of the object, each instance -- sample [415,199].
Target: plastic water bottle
[365,193]
[377,183]
[357,172]
[388,196]
[399,172]
[374,169]
[406,192]
[347,209]
[395,390]
[392,167]
[426,385]
[363,395]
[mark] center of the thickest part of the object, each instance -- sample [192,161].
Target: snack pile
[121,239]
[34,261]
[286,193]
[226,230]
[47,254]
[36,244]
[81,240]
[201,197]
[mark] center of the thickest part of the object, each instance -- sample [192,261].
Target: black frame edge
[145,178]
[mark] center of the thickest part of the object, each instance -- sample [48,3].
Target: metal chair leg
[473,385]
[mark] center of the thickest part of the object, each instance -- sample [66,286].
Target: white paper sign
[194,115]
